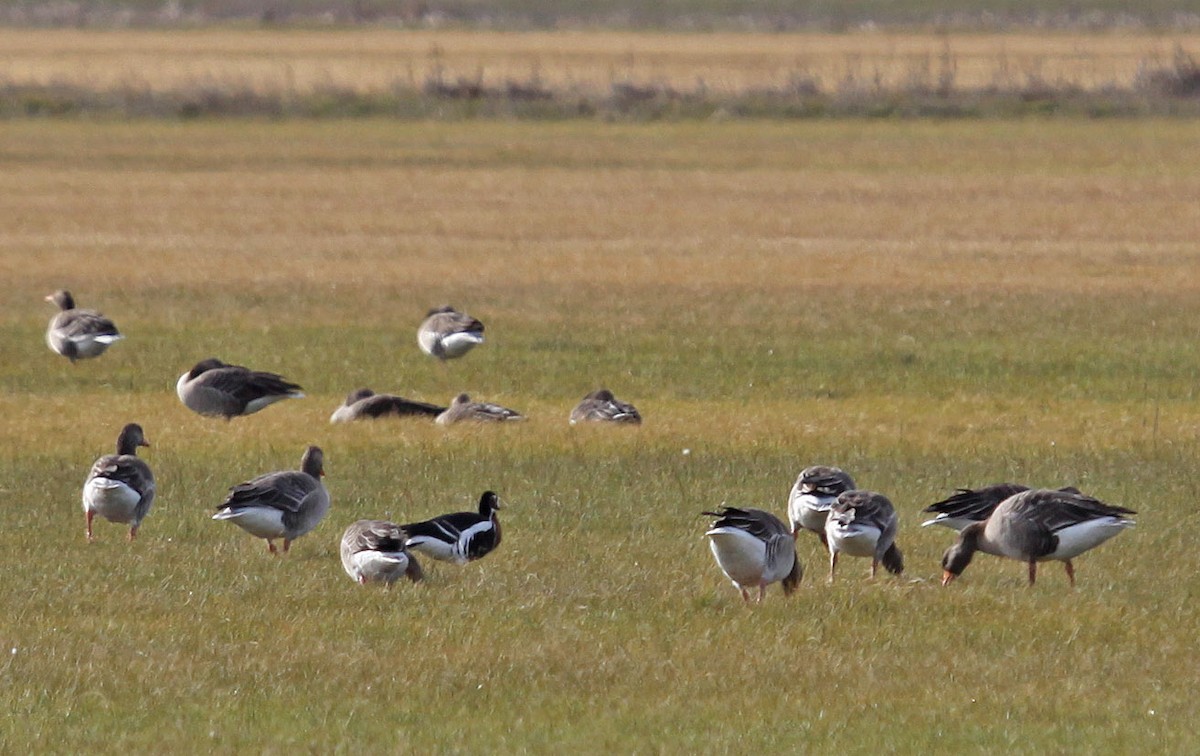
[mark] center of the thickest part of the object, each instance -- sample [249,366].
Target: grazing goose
[218,389]
[374,551]
[447,333]
[601,406]
[813,494]
[969,506]
[1038,526]
[754,549]
[120,487]
[459,537]
[462,408]
[365,404]
[864,524]
[78,334]
[285,504]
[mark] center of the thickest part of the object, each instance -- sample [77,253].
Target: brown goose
[754,549]
[120,487]
[78,334]
[1037,526]
[463,409]
[447,333]
[815,490]
[285,504]
[365,404]
[864,524]
[602,407]
[373,551]
[218,389]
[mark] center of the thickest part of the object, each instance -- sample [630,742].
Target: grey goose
[120,487]
[462,409]
[78,334]
[754,549]
[365,404]
[218,389]
[602,407]
[864,524]
[967,506]
[285,504]
[813,493]
[447,333]
[373,551]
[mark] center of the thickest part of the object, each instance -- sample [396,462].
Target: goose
[462,408]
[218,389]
[602,406]
[459,537]
[78,334]
[374,551]
[812,495]
[967,506]
[754,549]
[365,404]
[1038,525]
[120,487]
[285,504]
[447,333]
[864,524]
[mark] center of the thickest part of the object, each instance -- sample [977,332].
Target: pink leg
[1070,572]
[286,545]
[833,555]
[1032,571]
[271,546]
[133,532]
[762,592]
[745,595]
[874,567]
[89,514]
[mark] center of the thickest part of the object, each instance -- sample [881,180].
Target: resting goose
[864,524]
[120,487]
[217,389]
[462,408]
[459,537]
[601,406]
[78,334]
[285,504]
[967,506]
[1038,526]
[754,549]
[812,495]
[374,551]
[365,404]
[447,333]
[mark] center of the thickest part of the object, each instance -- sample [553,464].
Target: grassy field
[925,304]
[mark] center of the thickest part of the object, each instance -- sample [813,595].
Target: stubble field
[925,304]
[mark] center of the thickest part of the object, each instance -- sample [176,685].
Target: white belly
[377,566]
[111,499]
[264,522]
[458,344]
[436,549]
[809,511]
[740,555]
[1076,539]
[853,539]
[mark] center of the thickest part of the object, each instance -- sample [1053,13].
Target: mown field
[925,304]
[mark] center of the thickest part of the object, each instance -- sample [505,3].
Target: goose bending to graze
[462,408]
[864,524]
[285,504]
[601,406]
[78,334]
[754,549]
[219,389]
[1038,526]
[120,487]
[447,333]
[812,495]
[967,506]
[373,551]
[459,537]
[365,404]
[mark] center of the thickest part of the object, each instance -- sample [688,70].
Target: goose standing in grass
[864,524]
[218,389]
[365,404]
[459,537]
[812,495]
[373,551]
[447,333]
[754,549]
[1038,526]
[463,409]
[78,334]
[285,504]
[120,487]
[601,406]
[967,506]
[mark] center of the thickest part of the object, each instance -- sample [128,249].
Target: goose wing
[83,324]
[286,490]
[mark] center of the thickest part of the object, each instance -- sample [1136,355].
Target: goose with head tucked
[1038,525]
[864,524]
[285,504]
[601,406]
[458,537]
[970,505]
[462,409]
[120,487]
[78,334]
[815,490]
[373,551]
[365,404]
[448,334]
[754,549]
[218,389]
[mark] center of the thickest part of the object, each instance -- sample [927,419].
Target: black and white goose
[864,524]
[218,389]
[967,506]
[373,551]
[813,493]
[447,333]
[459,537]
[120,487]
[285,504]
[462,409]
[1037,526]
[365,404]
[754,549]
[78,334]
[602,407]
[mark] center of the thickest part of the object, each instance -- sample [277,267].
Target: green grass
[927,305]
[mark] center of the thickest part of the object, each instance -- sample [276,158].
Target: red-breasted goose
[459,537]
[447,333]
[78,334]
[813,493]
[373,551]
[285,504]
[754,549]
[120,487]
[602,407]
[864,524]
[365,404]
[219,389]
[967,506]
[463,409]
